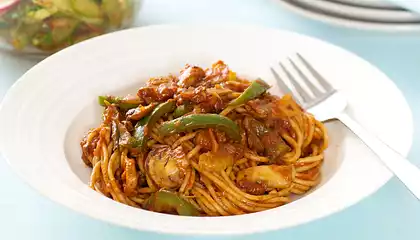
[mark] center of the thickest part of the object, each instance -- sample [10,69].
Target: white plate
[369,3]
[363,13]
[45,114]
[412,5]
[343,21]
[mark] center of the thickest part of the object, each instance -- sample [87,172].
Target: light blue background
[391,213]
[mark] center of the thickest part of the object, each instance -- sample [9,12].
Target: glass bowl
[42,27]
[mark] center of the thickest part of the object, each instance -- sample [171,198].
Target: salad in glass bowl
[47,26]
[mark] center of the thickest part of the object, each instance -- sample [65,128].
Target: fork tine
[324,83]
[283,86]
[308,82]
[299,90]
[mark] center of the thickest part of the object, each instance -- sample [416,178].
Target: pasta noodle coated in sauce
[204,143]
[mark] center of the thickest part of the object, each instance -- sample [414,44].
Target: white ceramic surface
[369,3]
[357,12]
[343,21]
[47,111]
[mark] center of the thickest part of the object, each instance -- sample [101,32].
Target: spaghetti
[204,143]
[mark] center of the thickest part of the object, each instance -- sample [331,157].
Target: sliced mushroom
[272,176]
[225,156]
[167,167]
[215,161]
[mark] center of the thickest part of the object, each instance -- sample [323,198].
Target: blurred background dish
[361,12]
[412,5]
[368,3]
[43,27]
[356,16]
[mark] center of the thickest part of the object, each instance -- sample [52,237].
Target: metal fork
[327,103]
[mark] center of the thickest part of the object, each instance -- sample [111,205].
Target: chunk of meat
[275,146]
[235,150]
[131,179]
[147,94]
[236,86]
[124,135]
[161,93]
[284,126]
[206,100]
[190,76]
[156,81]
[220,136]
[254,142]
[254,129]
[142,182]
[214,104]
[195,95]
[115,134]
[261,107]
[128,125]
[252,187]
[166,91]
[203,140]
[140,112]
[219,72]
[88,144]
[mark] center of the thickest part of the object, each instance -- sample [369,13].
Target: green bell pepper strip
[197,121]
[157,113]
[122,104]
[168,202]
[254,90]
[142,127]
[181,110]
[139,139]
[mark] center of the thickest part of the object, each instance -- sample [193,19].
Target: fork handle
[407,172]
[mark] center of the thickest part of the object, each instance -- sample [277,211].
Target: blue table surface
[390,213]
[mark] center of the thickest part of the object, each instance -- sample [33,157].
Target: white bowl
[45,114]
